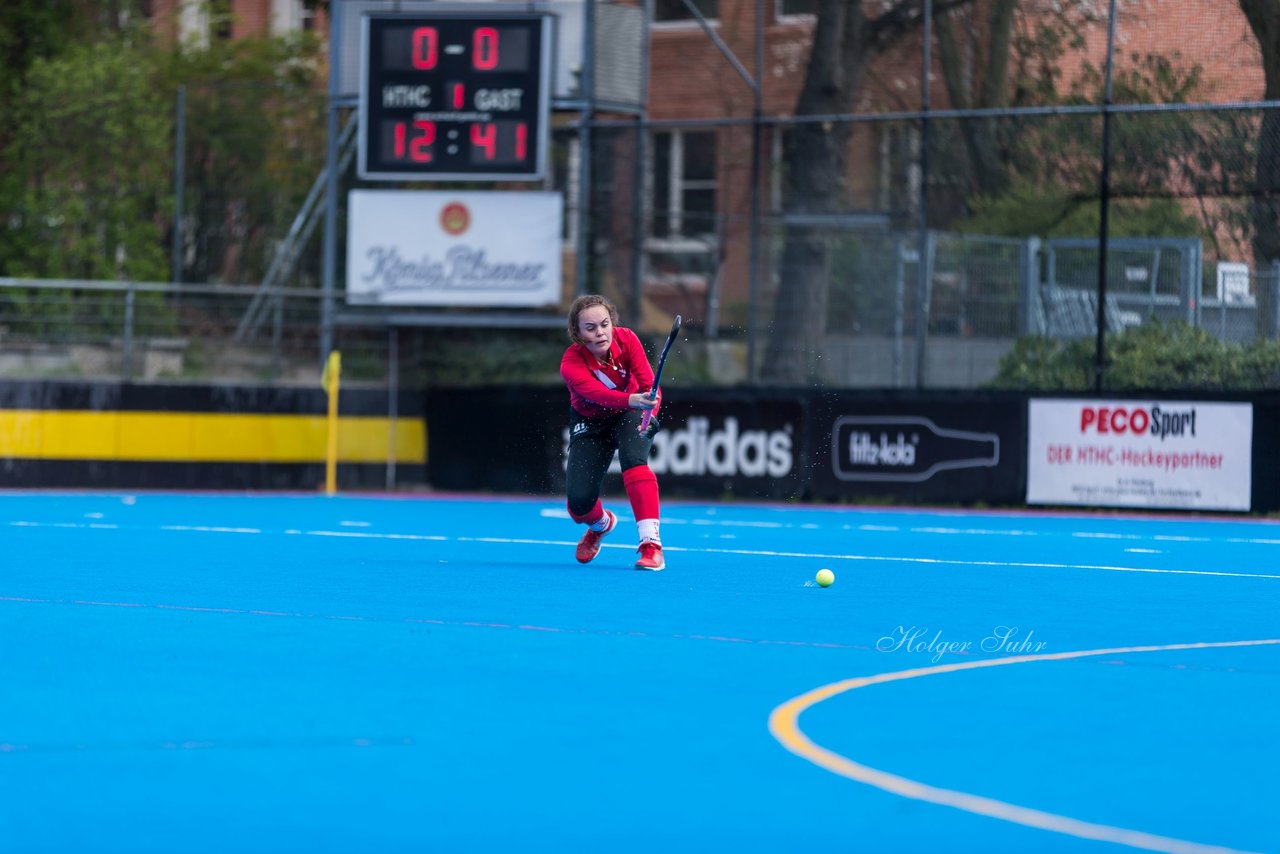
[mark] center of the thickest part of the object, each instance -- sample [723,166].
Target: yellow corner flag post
[331,379]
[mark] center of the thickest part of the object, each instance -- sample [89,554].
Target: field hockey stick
[657,376]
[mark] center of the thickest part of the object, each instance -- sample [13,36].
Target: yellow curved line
[784,725]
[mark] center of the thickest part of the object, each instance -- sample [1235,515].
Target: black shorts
[592,443]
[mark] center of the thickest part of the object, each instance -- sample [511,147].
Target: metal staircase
[267,296]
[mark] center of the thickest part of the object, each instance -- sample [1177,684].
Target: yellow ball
[825,578]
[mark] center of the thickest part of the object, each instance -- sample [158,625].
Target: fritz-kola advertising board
[916,447]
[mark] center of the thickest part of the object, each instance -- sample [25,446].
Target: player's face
[596,330]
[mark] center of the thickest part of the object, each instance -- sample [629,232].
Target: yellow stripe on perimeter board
[203,437]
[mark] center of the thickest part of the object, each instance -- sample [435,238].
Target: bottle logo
[907,448]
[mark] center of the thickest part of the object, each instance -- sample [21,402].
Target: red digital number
[458,95]
[485,137]
[484,49]
[418,145]
[522,140]
[425,48]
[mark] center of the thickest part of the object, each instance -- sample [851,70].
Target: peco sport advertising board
[1170,454]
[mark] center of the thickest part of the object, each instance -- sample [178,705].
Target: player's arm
[637,362]
[641,400]
[578,377]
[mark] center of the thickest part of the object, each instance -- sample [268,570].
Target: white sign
[456,249]
[1133,453]
[1233,283]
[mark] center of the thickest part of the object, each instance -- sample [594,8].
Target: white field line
[826,556]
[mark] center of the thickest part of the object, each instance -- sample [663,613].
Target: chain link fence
[892,246]
[916,273]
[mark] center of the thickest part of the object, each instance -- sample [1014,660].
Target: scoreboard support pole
[329,263]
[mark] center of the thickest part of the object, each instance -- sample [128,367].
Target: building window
[684,184]
[289,16]
[899,185]
[676,10]
[220,20]
[778,177]
[791,8]
[682,249]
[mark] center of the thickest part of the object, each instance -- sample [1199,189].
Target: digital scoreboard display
[454,97]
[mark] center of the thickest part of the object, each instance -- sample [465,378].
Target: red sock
[642,489]
[591,516]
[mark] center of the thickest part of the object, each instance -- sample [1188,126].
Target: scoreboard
[454,96]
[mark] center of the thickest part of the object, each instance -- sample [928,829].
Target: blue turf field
[300,673]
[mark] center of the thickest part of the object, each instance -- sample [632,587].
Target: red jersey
[596,388]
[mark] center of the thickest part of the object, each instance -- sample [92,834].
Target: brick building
[240,18]
[697,192]
[690,79]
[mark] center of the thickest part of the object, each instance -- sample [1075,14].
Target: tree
[255,141]
[991,89]
[87,144]
[848,35]
[39,29]
[999,54]
[1157,161]
[57,92]
[1155,355]
[29,30]
[1010,171]
[1264,20]
[90,152]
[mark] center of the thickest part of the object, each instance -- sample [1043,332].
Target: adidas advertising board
[744,448]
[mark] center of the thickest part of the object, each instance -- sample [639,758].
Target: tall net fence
[911,240]
[246,163]
[926,264]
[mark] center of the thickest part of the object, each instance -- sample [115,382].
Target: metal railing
[983,293]
[152,331]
